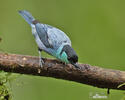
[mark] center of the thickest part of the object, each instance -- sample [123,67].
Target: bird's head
[70,55]
[73,59]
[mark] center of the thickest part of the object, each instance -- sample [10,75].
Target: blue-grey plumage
[51,40]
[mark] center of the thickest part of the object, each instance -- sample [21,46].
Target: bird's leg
[41,62]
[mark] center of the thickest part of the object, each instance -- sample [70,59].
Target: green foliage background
[97,31]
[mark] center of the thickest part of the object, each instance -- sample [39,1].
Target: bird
[51,40]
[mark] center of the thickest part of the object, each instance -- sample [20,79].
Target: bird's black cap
[72,56]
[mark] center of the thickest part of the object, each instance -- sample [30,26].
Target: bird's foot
[41,62]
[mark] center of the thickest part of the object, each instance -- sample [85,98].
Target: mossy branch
[91,75]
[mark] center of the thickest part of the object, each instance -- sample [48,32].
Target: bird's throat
[62,56]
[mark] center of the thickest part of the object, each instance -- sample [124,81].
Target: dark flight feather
[42,33]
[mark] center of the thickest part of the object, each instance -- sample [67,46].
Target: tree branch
[91,75]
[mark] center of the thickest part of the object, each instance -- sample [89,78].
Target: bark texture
[91,75]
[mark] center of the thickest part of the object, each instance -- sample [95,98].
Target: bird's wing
[42,33]
[57,37]
[51,37]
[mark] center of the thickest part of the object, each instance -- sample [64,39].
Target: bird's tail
[27,16]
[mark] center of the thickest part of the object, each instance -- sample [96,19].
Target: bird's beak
[76,65]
